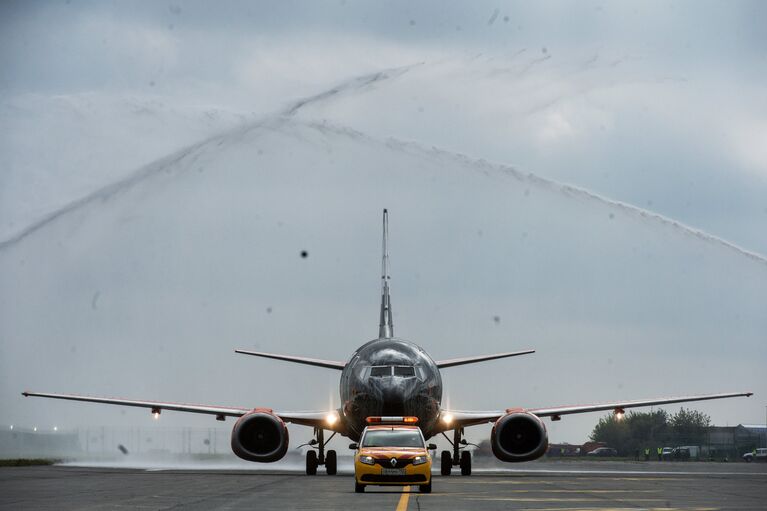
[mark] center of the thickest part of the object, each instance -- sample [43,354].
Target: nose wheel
[457,458]
[319,457]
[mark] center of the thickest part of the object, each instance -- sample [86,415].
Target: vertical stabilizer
[386,326]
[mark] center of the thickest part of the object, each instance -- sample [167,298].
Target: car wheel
[331,463]
[359,488]
[311,463]
[465,463]
[425,488]
[446,463]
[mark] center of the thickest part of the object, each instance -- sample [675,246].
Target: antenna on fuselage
[386,326]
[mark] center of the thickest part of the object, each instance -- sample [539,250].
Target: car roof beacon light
[392,420]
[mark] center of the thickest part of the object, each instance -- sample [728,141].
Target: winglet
[386,326]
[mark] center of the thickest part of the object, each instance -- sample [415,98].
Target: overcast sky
[657,110]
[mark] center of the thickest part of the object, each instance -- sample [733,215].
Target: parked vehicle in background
[603,451]
[667,454]
[756,455]
[685,452]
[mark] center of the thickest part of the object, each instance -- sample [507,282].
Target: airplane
[388,377]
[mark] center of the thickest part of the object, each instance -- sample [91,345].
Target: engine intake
[260,436]
[519,436]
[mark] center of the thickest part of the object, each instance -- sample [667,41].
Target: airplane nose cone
[395,394]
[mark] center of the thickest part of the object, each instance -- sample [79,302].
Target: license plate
[393,471]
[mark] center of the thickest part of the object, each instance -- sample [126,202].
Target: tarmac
[539,486]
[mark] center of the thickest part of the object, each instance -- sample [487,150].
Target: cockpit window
[406,371]
[378,371]
[401,371]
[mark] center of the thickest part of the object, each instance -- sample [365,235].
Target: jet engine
[260,436]
[519,436]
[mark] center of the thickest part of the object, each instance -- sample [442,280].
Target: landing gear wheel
[446,463]
[359,488]
[331,463]
[311,463]
[425,488]
[465,463]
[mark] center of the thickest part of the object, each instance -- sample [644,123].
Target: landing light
[447,418]
[55,428]
[331,418]
[156,413]
[619,414]
[34,429]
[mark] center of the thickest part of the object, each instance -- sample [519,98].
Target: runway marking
[547,490]
[555,499]
[617,472]
[592,479]
[403,500]
[621,509]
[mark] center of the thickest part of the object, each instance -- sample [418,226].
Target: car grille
[409,478]
[386,462]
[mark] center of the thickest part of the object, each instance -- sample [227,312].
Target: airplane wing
[479,358]
[312,418]
[452,419]
[330,364]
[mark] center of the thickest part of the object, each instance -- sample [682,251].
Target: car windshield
[392,438]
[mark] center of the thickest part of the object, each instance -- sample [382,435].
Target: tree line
[637,431]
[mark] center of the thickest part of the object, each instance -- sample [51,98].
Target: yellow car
[392,454]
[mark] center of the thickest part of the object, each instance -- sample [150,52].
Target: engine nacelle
[260,436]
[519,436]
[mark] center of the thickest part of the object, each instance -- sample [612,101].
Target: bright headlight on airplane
[447,418]
[619,414]
[331,418]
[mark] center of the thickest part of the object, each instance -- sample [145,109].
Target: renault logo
[393,462]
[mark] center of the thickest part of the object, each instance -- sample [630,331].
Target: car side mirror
[431,447]
[354,446]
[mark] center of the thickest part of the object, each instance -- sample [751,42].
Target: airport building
[732,441]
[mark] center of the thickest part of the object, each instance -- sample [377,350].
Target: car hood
[393,452]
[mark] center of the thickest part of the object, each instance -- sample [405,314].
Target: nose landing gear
[319,457]
[458,457]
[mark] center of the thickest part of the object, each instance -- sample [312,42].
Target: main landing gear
[319,457]
[458,457]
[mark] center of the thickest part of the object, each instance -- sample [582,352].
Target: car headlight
[420,460]
[367,460]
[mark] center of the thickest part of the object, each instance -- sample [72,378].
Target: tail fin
[386,326]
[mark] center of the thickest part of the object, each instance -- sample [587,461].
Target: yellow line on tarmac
[403,500]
